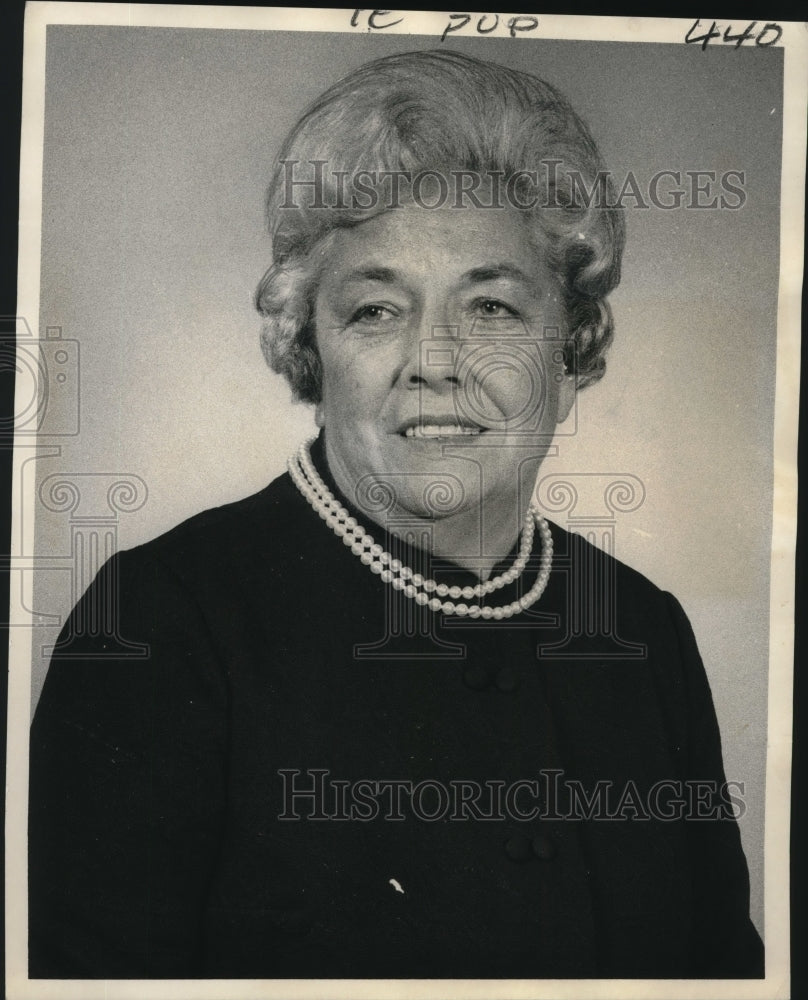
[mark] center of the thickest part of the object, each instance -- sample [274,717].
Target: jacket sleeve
[726,944]
[127,782]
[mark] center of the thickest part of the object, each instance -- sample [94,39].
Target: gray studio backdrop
[158,145]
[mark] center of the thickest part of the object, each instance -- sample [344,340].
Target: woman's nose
[433,357]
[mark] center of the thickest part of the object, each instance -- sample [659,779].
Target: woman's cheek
[507,391]
[356,389]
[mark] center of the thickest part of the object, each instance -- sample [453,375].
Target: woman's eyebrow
[373,273]
[491,272]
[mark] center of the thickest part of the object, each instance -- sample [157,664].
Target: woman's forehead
[500,242]
[415,247]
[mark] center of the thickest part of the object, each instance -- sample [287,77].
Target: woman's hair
[429,113]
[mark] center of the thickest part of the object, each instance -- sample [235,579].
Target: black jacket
[203,669]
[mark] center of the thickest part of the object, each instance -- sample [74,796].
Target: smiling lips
[441,430]
[439,427]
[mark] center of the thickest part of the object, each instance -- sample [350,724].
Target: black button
[477,677]
[543,847]
[507,680]
[518,847]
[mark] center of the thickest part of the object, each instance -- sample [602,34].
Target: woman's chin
[400,497]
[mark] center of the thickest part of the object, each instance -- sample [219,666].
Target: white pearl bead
[386,575]
[406,573]
[455,592]
[357,549]
[376,550]
[461,609]
[430,586]
[475,611]
[418,580]
[487,612]
[435,604]
[398,583]
[448,607]
[468,593]
[395,565]
[421,599]
[497,613]
[442,590]
[410,591]
[376,568]
[366,558]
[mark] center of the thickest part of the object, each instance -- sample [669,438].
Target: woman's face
[441,336]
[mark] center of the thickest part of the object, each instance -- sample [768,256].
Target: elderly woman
[366,739]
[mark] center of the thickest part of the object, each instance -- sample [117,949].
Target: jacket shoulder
[589,561]
[223,539]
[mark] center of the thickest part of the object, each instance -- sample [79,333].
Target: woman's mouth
[441,431]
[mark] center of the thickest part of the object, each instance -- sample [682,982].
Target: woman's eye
[371,314]
[494,309]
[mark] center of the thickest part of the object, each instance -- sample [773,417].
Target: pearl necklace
[423,591]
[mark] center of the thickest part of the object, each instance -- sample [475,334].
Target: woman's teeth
[440,430]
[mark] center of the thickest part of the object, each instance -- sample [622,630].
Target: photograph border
[778,774]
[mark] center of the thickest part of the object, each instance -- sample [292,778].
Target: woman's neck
[476,538]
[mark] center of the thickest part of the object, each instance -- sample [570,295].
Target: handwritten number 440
[378,20]
[768,35]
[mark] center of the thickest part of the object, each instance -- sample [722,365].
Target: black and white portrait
[404,520]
